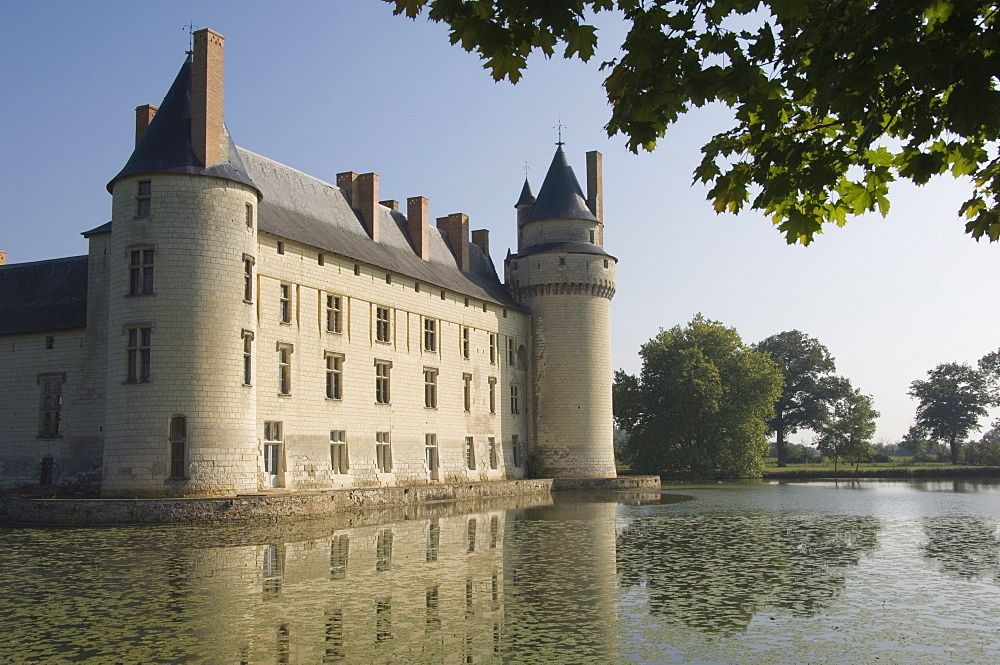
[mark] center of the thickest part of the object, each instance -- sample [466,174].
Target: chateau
[239,326]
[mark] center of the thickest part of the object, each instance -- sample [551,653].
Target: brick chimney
[595,190]
[417,218]
[391,204]
[208,133]
[143,116]
[481,237]
[348,181]
[456,225]
[367,202]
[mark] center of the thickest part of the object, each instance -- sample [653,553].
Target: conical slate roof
[560,196]
[165,147]
[527,196]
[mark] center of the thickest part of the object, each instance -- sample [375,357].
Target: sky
[342,85]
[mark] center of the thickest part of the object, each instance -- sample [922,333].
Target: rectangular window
[430,388]
[50,416]
[281,247]
[491,445]
[178,444]
[493,348]
[511,352]
[143,200]
[383,620]
[383,452]
[272,452]
[247,357]
[515,450]
[272,431]
[321,259]
[334,376]
[338,451]
[284,370]
[138,351]
[382,368]
[465,342]
[515,407]
[382,324]
[247,278]
[334,311]
[249,215]
[431,456]
[285,303]
[430,335]
[467,392]
[140,272]
[493,394]
[470,453]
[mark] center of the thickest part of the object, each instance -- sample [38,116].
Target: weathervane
[190,27]
[560,128]
[526,170]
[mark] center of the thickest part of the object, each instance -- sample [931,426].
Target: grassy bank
[881,470]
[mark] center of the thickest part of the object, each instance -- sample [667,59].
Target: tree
[848,429]
[806,366]
[832,100]
[701,404]
[952,400]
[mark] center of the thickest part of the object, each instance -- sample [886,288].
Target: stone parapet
[275,506]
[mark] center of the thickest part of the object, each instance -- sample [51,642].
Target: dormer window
[143,200]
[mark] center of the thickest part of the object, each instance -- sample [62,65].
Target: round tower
[181,406]
[562,273]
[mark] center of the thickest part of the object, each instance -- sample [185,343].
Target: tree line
[705,403]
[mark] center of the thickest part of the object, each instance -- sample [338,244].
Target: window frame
[285,303]
[248,264]
[515,398]
[334,313]
[178,444]
[139,352]
[383,376]
[144,199]
[339,452]
[431,387]
[334,375]
[470,453]
[383,452]
[466,342]
[467,393]
[383,327]
[430,335]
[285,352]
[248,337]
[493,394]
[141,261]
[51,427]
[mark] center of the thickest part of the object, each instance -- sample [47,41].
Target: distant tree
[832,100]
[700,405]
[952,400]
[806,366]
[848,429]
[989,365]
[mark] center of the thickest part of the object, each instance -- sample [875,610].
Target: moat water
[816,572]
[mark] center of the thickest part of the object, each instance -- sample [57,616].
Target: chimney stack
[595,190]
[456,225]
[391,204]
[3,258]
[367,203]
[208,132]
[348,181]
[481,237]
[417,218]
[143,116]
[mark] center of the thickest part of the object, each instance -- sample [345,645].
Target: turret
[181,407]
[565,277]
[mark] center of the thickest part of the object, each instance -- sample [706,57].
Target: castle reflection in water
[430,584]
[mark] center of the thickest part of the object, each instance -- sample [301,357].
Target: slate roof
[560,196]
[527,196]
[562,246]
[300,207]
[43,295]
[165,147]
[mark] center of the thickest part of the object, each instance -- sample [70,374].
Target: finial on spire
[190,27]
[560,128]
[526,170]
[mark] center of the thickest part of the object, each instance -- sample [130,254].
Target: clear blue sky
[339,85]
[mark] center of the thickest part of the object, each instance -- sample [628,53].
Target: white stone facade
[244,333]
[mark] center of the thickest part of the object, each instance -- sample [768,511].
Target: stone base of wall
[276,505]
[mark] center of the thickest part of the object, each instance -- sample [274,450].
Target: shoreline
[271,507]
[941,473]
